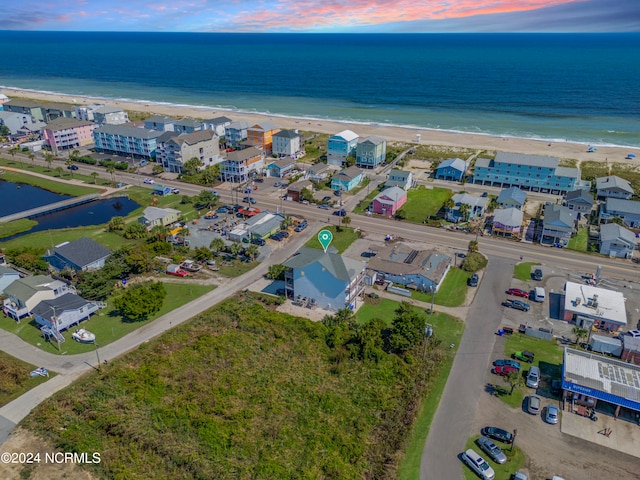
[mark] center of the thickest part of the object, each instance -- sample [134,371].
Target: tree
[235,248]
[252,251]
[369,339]
[95,176]
[473,246]
[32,157]
[116,223]
[111,169]
[159,233]
[202,254]
[346,220]
[58,171]
[74,155]
[217,245]
[449,204]
[192,166]
[464,210]
[157,169]
[49,157]
[493,203]
[514,379]
[276,272]
[136,231]
[13,151]
[286,222]
[68,163]
[580,332]
[407,328]
[140,301]
[138,260]
[205,200]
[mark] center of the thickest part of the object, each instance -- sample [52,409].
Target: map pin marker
[325,237]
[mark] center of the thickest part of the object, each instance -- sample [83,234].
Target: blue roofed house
[507,221]
[477,206]
[371,151]
[512,197]
[613,187]
[81,254]
[327,280]
[346,179]
[60,313]
[558,225]
[340,146]
[452,169]
[160,123]
[399,178]
[627,210]
[7,277]
[187,125]
[419,269]
[617,241]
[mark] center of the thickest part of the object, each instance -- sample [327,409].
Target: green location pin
[325,237]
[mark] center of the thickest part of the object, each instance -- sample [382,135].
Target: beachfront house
[371,152]
[261,134]
[347,179]
[139,143]
[326,280]
[152,216]
[217,124]
[627,210]
[389,201]
[62,312]
[399,178]
[475,205]
[286,143]
[507,221]
[452,169]
[24,294]
[529,172]
[101,114]
[239,165]
[82,254]
[160,123]
[187,125]
[174,150]
[558,225]
[340,146]
[26,107]
[235,133]
[613,187]
[7,277]
[15,121]
[616,241]
[579,201]
[512,197]
[68,134]
[58,110]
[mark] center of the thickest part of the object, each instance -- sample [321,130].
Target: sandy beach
[562,150]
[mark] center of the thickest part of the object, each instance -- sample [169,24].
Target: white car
[478,464]
[175,191]
[149,181]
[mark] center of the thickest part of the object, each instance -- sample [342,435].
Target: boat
[83,336]
[211,215]
[190,266]
[39,372]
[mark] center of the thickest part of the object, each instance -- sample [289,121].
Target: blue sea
[576,87]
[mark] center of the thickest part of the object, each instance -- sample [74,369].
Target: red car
[504,370]
[516,292]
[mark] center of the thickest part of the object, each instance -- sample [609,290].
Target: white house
[617,241]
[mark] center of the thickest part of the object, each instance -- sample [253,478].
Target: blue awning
[600,395]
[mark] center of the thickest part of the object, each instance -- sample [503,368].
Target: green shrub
[475,261]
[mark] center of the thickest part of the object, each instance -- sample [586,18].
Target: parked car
[326,199]
[277,237]
[175,191]
[478,464]
[497,434]
[517,292]
[149,181]
[505,362]
[142,163]
[537,274]
[505,370]
[258,241]
[533,404]
[222,209]
[516,304]
[277,184]
[250,200]
[519,476]
[552,414]
[258,180]
[533,377]
[284,234]
[340,213]
[337,193]
[72,167]
[301,226]
[524,356]
[491,449]
[473,280]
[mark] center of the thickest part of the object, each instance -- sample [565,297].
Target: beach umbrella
[631,155]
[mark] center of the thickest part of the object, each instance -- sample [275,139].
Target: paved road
[454,418]
[73,366]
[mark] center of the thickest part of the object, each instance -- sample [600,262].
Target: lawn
[341,239]
[522,270]
[105,323]
[235,268]
[51,238]
[17,226]
[515,460]
[47,184]
[363,205]
[580,241]
[15,379]
[451,293]
[423,203]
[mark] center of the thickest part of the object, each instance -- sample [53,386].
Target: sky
[323,16]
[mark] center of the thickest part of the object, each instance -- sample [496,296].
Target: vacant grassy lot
[522,270]
[341,239]
[106,324]
[423,203]
[240,392]
[452,292]
[580,241]
[15,379]
[515,460]
[363,205]
[17,226]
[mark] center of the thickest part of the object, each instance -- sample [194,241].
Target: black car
[326,199]
[284,234]
[473,280]
[340,213]
[258,241]
[537,274]
[497,434]
[277,237]
[72,167]
[337,193]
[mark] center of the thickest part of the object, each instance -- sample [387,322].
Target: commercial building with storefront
[584,304]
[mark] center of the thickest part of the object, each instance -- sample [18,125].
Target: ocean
[575,87]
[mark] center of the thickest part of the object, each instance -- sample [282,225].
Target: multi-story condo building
[528,172]
[217,124]
[235,133]
[240,164]
[174,151]
[68,133]
[286,142]
[261,135]
[340,146]
[111,115]
[125,140]
[371,152]
[160,123]
[26,107]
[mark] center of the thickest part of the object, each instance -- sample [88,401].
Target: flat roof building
[606,308]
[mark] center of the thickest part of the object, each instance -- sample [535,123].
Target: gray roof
[286,134]
[558,216]
[188,122]
[394,193]
[523,159]
[612,181]
[299,186]
[160,119]
[483,162]
[26,287]
[511,217]
[372,139]
[512,193]
[7,270]
[403,174]
[264,223]
[194,137]
[156,213]
[219,120]
[238,125]
[55,307]
[242,155]
[264,126]
[283,162]
[342,268]
[63,123]
[82,252]
[579,196]
[18,102]
[108,109]
[455,163]
[126,131]
[622,206]
[613,231]
[401,259]
[471,200]
[350,173]
[166,136]
[569,172]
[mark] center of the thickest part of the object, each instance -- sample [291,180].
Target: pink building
[389,201]
[68,133]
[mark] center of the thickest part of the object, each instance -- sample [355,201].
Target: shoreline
[391,133]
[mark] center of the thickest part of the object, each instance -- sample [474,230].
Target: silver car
[478,464]
[534,404]
[552,414]
[491,449]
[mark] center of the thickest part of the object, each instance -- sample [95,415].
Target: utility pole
[98,356]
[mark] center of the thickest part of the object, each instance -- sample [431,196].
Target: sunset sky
[324,15]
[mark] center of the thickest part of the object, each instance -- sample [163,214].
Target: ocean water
[576,87]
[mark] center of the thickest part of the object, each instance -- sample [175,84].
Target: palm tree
[473,246]
[580,332]
[31,156]
[252,251]
[68,163]
[74,155]
[448,204]
[464,210]
[111,170]
[49,157]
[95,177]
[346,220]
[235,248]
[58,171]
[13,151]
[286,222]
[160,232]
[217,245]
[116,223]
